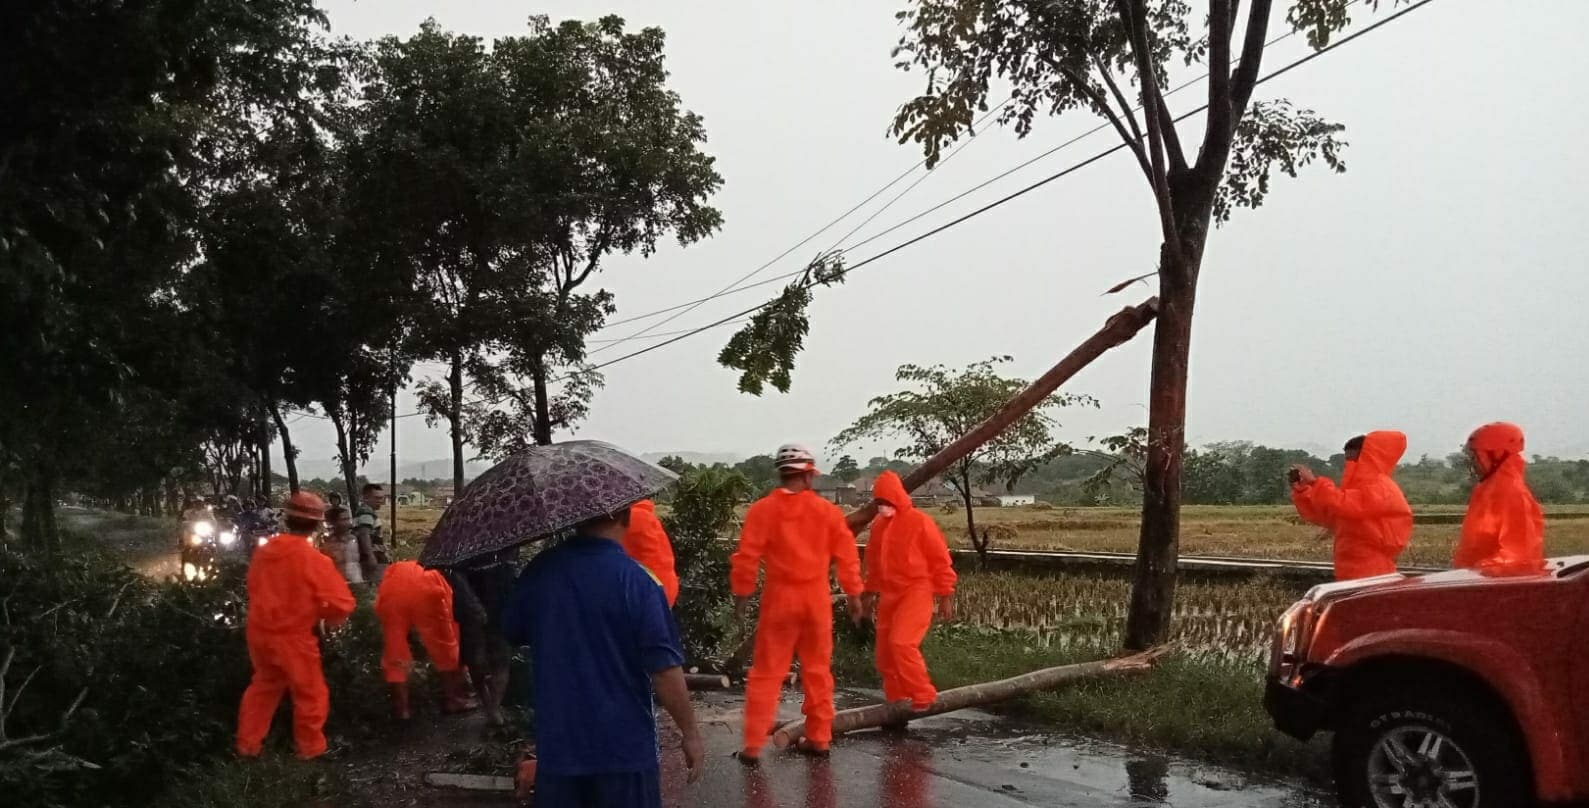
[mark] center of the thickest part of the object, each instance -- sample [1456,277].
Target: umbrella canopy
[537,493]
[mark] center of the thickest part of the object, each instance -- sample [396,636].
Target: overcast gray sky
[1438,284]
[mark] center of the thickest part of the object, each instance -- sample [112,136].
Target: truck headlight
[195,539]
[205,529]
[1291,640]
[228,538]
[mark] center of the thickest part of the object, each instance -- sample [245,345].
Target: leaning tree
[1113,58]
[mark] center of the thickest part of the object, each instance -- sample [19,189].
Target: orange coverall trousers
[796,619]
[284,662]
[903,618]
[413,598]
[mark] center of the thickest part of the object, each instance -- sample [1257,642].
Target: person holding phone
[1367,513]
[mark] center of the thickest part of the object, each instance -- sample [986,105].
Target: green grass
[271,782]
[1186,706]
[1203,702]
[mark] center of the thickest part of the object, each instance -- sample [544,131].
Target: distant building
[1015,500]
[835,490]
[413,499]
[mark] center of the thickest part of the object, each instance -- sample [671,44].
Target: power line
[1017,194]
[680,336]
[734,288]
[689,307]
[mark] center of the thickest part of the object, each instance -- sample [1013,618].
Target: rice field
[1247,530]
[1261,531]
[1228,622]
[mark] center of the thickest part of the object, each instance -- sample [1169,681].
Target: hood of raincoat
[644,505]
[890,489]
[1498,445]
[1382,450]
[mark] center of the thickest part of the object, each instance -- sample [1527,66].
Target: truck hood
[1464,578]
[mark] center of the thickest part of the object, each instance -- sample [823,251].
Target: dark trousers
[625,790]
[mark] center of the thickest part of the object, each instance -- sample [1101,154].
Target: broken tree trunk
[960,698]
[1116,330]
[705,681]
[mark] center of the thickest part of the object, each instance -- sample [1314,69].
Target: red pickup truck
[1456,689]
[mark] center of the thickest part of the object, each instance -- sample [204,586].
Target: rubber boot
[456,693]
[399,694]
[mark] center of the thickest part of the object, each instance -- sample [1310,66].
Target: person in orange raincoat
[1504,529]
[1368,514]
[647,543]
[907,570]
[412,597]
[291,588]
[798,536]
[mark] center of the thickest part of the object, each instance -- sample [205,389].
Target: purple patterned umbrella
[540,492]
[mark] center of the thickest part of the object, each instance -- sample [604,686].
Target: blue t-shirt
[598,626]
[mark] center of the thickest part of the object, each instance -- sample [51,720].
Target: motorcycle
[205,543]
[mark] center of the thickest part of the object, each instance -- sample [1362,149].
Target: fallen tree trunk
[1116,330]
[705,681]
[960,698]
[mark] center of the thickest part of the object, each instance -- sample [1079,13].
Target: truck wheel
[1409,749]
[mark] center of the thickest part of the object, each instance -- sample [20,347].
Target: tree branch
[1246,75]
[1218,122]
[1133,13]
[1132,138]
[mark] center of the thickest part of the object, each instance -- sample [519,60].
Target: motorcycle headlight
[228,538]
[205,529]
[195,539]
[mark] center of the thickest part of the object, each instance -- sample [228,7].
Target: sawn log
[960,698]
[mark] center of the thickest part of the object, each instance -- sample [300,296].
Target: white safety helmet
[795,457]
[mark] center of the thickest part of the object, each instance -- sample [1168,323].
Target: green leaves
[764,350]
[941,404]
[1274,135]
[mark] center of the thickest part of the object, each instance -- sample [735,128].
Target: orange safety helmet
[1491,444]
[305,505]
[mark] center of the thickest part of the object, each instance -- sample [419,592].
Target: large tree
[619,167]
[943,404]
[1113,58]
[509,175]
[108,107]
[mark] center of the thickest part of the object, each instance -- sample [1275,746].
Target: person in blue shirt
[602,641]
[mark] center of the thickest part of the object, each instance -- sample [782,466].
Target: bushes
[155,670]
[703,513]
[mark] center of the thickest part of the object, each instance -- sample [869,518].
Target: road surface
[967,759]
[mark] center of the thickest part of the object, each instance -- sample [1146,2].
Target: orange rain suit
[1368,514]
[412,597]
[1504,529]
[798,536]
[907,564]
[647,543]
[291,587]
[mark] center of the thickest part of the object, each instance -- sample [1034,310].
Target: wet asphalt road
[959,760]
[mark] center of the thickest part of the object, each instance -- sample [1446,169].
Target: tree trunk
[543,404]
[264,461]
[1153,590]
[344,453]
[288,451]
[455,418]
[978,543]
[960,698]
[39,531]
